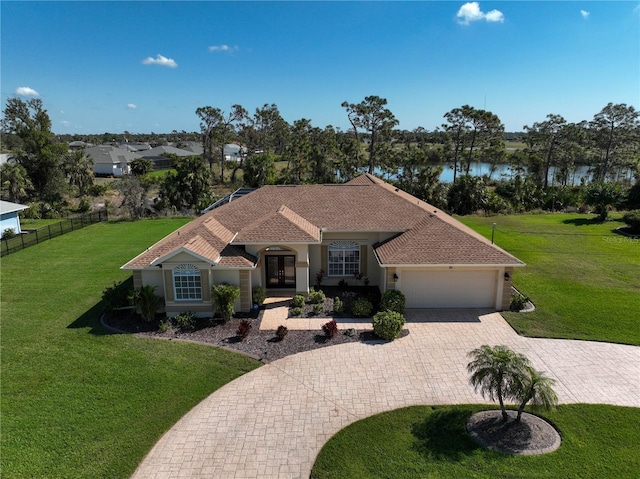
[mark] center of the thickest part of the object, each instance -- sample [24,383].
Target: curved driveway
[273,421]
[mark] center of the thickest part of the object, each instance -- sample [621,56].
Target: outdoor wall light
[507,276]
[395,277]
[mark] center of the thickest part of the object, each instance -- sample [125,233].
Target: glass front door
[281,271]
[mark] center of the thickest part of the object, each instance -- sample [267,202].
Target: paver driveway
[273,421]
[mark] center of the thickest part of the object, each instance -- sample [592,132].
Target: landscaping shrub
[393,300]
[281,332]
[330,329]
[8,234]
[338,305]
[224,297]
[632,219]
[317,297]
[317,308]
[259,295]
[296,311]
[298,301]
[361,308]
[518,302]
[244,328]
[117,296]
[165,325]
[185,321]
[388,324]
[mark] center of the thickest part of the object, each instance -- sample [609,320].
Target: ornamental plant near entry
[330,329]
[388,324]
[224,297]
[393,300]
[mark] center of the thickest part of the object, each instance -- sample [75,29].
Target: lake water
[504,172]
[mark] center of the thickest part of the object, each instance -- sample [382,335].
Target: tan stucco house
[279,237]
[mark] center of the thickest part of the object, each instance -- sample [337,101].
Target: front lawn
[78,401]
[583,278]
[427,441]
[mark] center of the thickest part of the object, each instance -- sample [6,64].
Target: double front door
[281,271]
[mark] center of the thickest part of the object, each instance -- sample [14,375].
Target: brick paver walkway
[273,421]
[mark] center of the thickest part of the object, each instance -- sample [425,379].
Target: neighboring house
[134,146]
[79,145]
[158,158]
[234,152]
[279,237]
[111,161]
[195,147]
[9,218]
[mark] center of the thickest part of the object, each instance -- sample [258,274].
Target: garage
[448,288]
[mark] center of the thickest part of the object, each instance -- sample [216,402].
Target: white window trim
[343,246]
[187,270]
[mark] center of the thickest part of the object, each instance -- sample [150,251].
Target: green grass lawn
[78,401]
[582,277]
[431,442]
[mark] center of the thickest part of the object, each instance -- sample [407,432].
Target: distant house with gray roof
[111,161]
[158,156]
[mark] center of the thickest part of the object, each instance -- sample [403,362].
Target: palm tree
[78,168]
[494,370]
[536,388]
[147,302]
[14,182]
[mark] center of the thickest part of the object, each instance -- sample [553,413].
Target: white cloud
[470,12]
[26,91]
[66,123]
[161,61]
[584,14]
[223,48]
[132,106]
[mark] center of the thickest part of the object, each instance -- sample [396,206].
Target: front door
[281,271]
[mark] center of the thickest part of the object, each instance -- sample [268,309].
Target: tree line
[42,168]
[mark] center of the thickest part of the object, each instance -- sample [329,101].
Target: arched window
[186,282]
[344,258]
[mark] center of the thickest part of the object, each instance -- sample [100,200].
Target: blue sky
[146,66]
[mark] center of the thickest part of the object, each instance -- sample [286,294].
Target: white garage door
[449,288]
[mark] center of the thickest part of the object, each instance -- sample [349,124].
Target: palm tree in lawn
[494,371]
[536,388]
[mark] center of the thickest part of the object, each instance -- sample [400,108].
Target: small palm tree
[147,302]
[536,388]
[494,370]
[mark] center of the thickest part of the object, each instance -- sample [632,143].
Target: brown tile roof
[281,214]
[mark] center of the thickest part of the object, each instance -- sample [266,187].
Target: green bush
[165,325]
[388,324]
[317,297]
[518,302]
[224,297]
[147,302]
[317,308]
[296,311]
[185,321]
[361,308]
[338,305]
[8,234]
[117,296]
[393,300]
[298,301]
[259,295]
[632,219]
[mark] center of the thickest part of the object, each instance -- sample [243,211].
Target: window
[186,281]
[344,258]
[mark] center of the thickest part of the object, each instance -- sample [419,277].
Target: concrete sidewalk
[273,421]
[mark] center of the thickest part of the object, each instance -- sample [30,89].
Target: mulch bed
[532,435]
[262,345]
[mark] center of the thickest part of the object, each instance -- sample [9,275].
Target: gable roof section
[423,234]
[282,226]
[9,207]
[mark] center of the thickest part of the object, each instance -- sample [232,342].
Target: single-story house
[111,161]
[9,218]
[280,237]
[158,158]
[234,152]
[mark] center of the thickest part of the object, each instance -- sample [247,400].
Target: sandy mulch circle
[532,435]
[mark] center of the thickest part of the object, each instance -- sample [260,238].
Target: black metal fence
[31,237]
